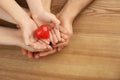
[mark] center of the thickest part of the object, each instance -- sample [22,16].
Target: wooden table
[93,52]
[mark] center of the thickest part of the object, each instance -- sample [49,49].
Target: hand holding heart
[55,36]
[43,33]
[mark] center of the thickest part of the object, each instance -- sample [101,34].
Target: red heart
[42,32]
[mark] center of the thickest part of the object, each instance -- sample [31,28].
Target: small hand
[65,30]
[49,19]
[41,16]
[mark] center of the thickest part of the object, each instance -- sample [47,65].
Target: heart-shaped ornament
[42,32]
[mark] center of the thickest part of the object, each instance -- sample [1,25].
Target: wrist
[65,17]
[25,23]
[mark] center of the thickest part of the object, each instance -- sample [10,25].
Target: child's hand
[41,16]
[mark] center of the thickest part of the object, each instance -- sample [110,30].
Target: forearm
[35,5]
[73,7]
[47,4]
[5,16]
[12,8]
[8,36]
[13,37]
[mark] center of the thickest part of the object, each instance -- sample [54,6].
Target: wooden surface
[93,52]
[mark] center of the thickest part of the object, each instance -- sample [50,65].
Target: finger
[59,49]
[64,36]
[47,53]
[57,32]
[48,47]
[30,54]
[34,54]
[47,41]
[54,37]
[56,22]
[59,45]
[62,44]
[39,45]
[51,38]
[37,56]
[24,52]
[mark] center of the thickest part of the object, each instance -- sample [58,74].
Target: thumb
[56,22]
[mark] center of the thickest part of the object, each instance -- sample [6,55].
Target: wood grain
[93,52]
